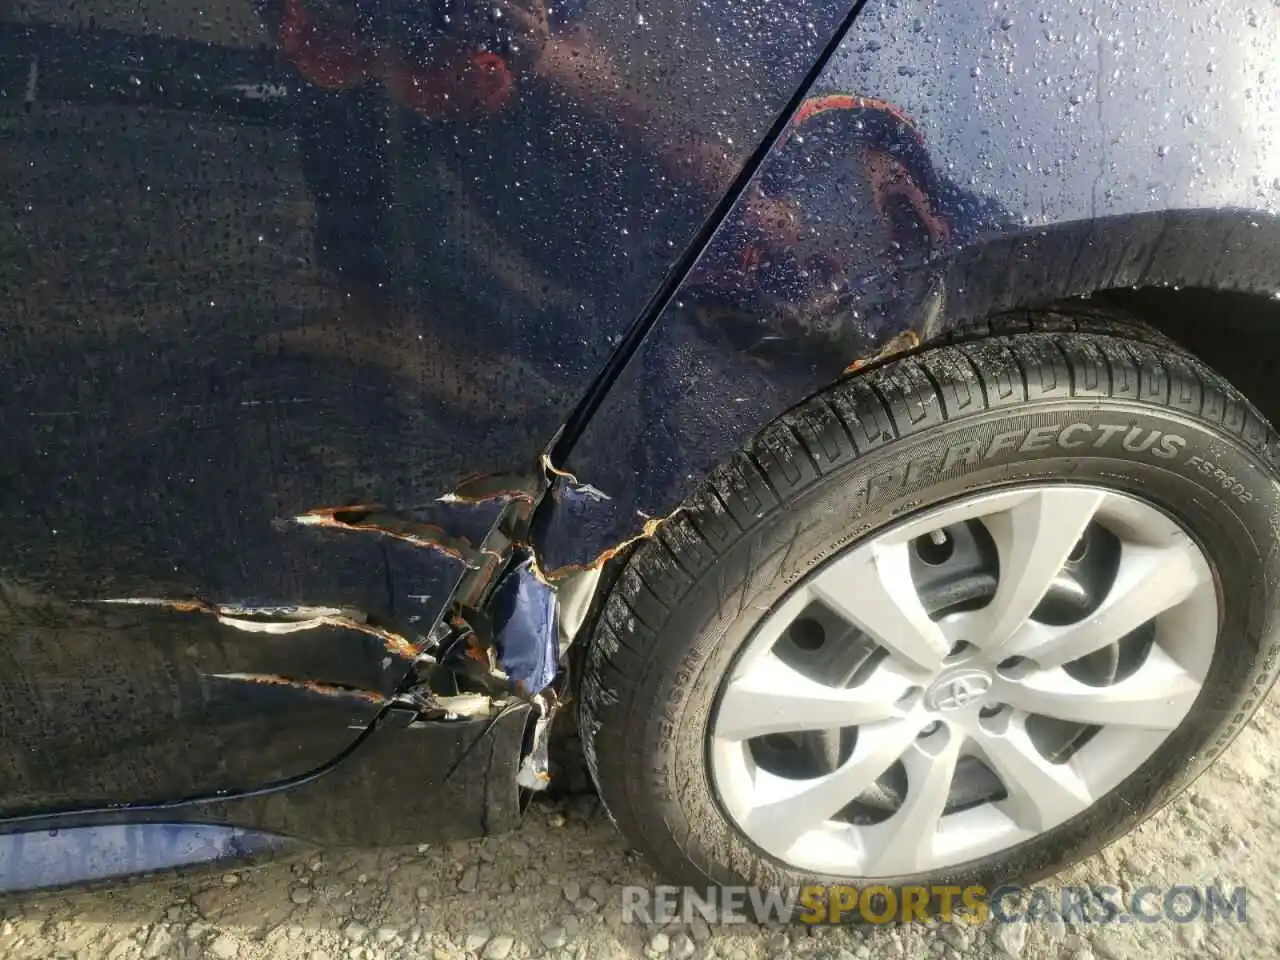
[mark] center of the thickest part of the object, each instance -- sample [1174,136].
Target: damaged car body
[353,346]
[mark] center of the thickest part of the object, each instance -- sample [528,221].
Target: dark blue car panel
[402,783]
[267,295]
[952,161]
[253,296]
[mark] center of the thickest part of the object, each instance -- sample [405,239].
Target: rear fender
[949,163]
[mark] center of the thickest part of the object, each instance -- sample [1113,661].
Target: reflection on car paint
[55,858]
[947,166]
[354,267]
[858,174]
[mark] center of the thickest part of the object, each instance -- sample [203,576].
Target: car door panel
[234,296]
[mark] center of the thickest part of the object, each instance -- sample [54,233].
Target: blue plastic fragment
[526,618]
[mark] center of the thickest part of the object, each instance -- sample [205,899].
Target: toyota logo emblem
[959,690]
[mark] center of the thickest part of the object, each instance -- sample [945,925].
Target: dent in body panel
[949,164]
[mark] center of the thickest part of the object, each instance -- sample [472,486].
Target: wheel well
[1238,334]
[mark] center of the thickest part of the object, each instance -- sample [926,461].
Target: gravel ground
[552,890]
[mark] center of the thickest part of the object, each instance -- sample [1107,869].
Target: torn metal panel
[374,519]
[500,641]
[525,616]
[575,594]
[903,342]
[578,530]
[303,686]
[393,643]
[283,620]
[535,769]
[500,638]
[485,488]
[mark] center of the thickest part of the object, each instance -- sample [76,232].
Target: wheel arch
[1224,307]
[887,396]
[1233,331]
[959,164]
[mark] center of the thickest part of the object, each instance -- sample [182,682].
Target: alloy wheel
[963,681]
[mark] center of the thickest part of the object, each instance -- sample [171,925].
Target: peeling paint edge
[182,606]
[650,529]
[285,612]
[309,686]
[490,487]
[393,642]
[416,534]
[907,340]
[544,459]
[302,619]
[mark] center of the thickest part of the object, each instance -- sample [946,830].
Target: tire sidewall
[1216,488]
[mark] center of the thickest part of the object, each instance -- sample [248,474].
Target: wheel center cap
[957,689]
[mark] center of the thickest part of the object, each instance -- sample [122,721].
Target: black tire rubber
[868,451]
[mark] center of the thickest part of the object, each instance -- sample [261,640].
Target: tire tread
[998,363]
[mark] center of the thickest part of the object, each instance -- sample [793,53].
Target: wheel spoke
[1156,697]
[773,697]
[1033,540]
[987,678]
[872,588]
[1150,581]
[1041,794]
[904,843]
[784,810]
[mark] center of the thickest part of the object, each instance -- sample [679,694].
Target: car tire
[1035,407]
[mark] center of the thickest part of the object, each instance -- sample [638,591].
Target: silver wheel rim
[944,731]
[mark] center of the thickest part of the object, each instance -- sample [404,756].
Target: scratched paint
[307,686]
[486,488]
[907,340]
[288,620]
[316,297]
[373,519]
[649,529]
